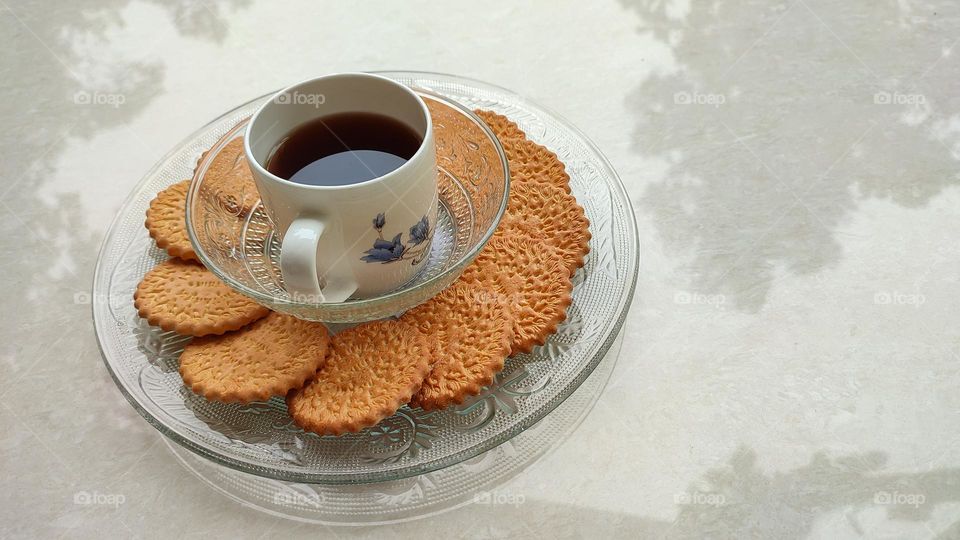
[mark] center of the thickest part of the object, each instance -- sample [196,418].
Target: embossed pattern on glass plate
[259,438]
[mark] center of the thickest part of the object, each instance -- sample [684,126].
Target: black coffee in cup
[342,149]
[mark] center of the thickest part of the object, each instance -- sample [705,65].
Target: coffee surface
[342,149]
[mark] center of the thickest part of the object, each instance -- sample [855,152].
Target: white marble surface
[790,365]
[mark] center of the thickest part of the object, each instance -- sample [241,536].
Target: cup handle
[301,269]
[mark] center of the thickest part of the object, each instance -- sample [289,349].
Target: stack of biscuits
[508,301]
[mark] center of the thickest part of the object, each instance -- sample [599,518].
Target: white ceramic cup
[356,240]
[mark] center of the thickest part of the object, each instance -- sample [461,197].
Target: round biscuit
[472,326]
[186,298]
[546,212]
[371,371]
[532,277]
[267,358]
[167,221]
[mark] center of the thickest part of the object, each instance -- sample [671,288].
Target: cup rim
[416,157]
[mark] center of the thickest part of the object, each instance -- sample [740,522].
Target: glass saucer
[242,248]
[480,480]
[260,438]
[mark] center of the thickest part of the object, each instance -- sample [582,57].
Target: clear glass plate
[261,439]
[478,480]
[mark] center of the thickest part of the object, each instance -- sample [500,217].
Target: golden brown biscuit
[268,358]
[167,221]
[545,211]
[504,128]
[188,299]
[371,371]
[472,328]
[533,278]
[532,163]
[529,161]
[230,177]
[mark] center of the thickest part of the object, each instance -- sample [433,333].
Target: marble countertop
[789,368]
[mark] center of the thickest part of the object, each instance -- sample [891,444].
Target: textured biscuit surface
[532,163]
[230,177]
[167,221]
[529,161]
[371,371]
[541,205]
[472,328]
[268,358]
[504,128]
[187,298]
[542,211]
[532,277]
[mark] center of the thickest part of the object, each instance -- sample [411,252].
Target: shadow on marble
[56,92]
[65,92]
[736,500]
[771,135]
